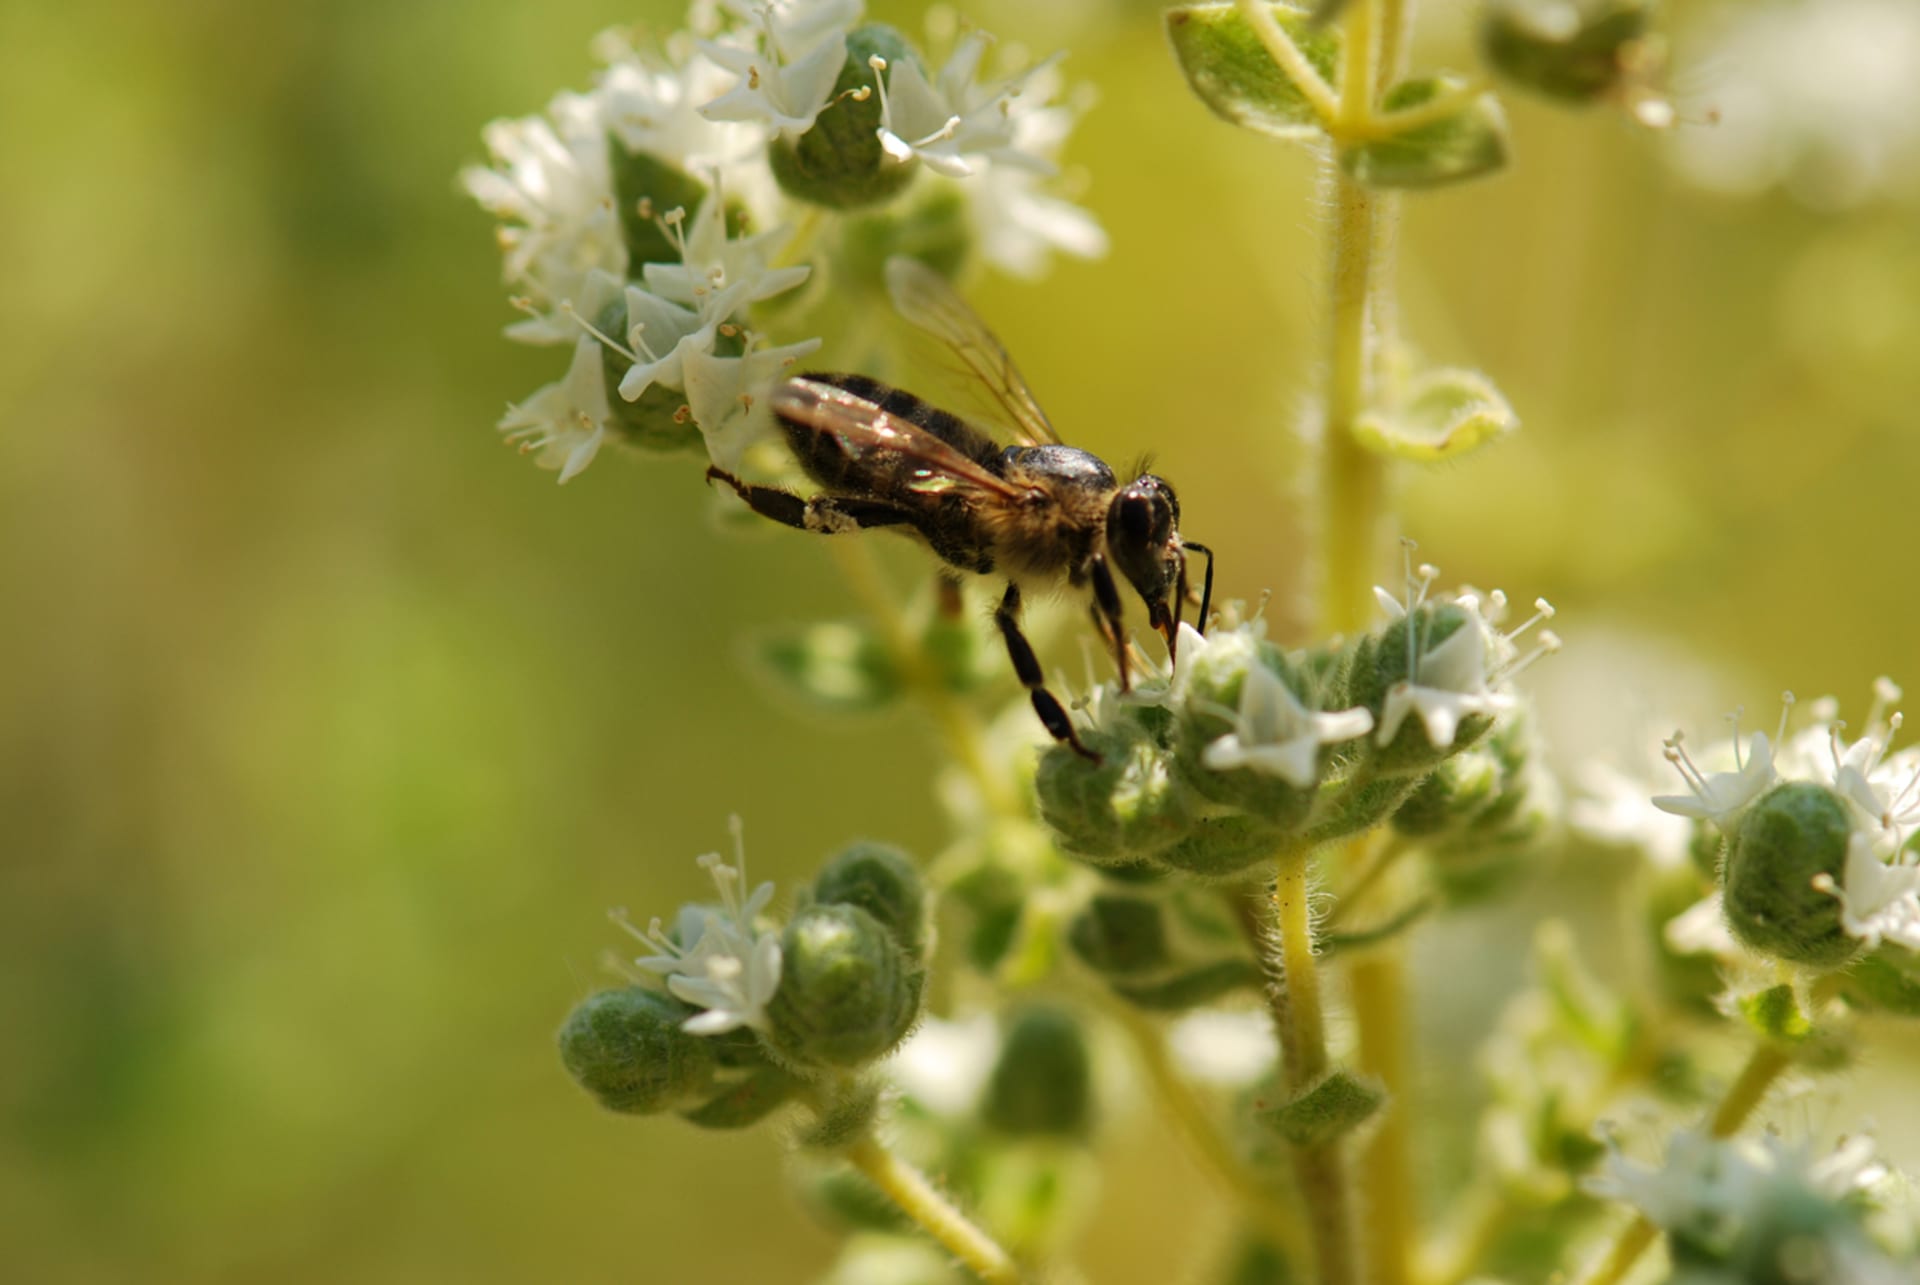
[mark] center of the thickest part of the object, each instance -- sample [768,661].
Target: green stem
[1300,1021]
[1744,1095]
[920,1200]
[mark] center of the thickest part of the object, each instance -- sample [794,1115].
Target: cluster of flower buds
[1159,942]
[645,223]
[1247,750]
[731,1015]
[1573,51]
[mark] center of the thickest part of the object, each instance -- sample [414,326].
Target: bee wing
[924,298]
[864,428]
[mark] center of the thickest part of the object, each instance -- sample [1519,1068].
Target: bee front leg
[1026,667]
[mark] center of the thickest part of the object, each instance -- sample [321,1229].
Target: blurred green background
[329,727]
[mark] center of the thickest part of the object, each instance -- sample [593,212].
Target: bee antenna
[1143,465]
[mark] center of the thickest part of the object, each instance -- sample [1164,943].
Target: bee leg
[823,514]
[947,597]
[1026,667]
[1106,598]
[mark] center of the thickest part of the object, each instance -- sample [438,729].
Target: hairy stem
[1744,1095]
[921,1201]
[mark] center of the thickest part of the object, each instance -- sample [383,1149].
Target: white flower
[788,69]
[1613,808]
[1168,688]
[1463,675]
[715,275]
[725,395]
[720,958]
[565,422]
[952,123]
[1273,733]
[1822,99]
[1016,223]
[553,193]
[1722,796]
[1878,901]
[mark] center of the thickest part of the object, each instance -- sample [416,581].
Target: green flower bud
[1452,797]
[626,1047]
[840,666]
[882,881]
[848,991]
[1255,1261]
[659,420]
[1221,847]
[1572,50]
[1237,693]
[1120,936]
[1788,837]
[1042,1086]
[931,227]
[839,162]
[1127,806]
[1381,663]
[748,1101]
[645,188]
[995,900]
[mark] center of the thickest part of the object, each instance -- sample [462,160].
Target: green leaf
[1234,75]
[835,665]
[1775,1013]
[1460,145]
[1448,413]
[1336,1105]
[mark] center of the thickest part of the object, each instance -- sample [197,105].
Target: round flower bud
[1452,797]
[1245,705]
[848,992]
[1572,50]
[839,162]
[659,420]
[1042,1086]
[1120,936]
[1393,660]
[1790,836]
[1221,847]
[1125,807]
[882,881]
[627,1048]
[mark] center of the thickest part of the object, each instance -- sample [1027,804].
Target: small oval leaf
[1448,414]
[1234,75]
[1460,145]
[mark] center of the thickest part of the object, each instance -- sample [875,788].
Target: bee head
[1143,539]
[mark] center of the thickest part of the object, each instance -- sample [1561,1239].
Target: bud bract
[884,882]
[1788,839]
[839,162]
[1042,1086]
[1572,50]
[848,990]
[627,1048]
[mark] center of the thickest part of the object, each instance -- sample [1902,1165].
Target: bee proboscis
[1034,512]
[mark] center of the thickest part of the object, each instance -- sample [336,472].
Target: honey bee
[1034,512]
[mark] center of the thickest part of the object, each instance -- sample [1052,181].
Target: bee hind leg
[823,514]
[1026,667]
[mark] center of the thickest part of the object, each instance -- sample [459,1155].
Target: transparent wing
[924,298]
[932,467]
